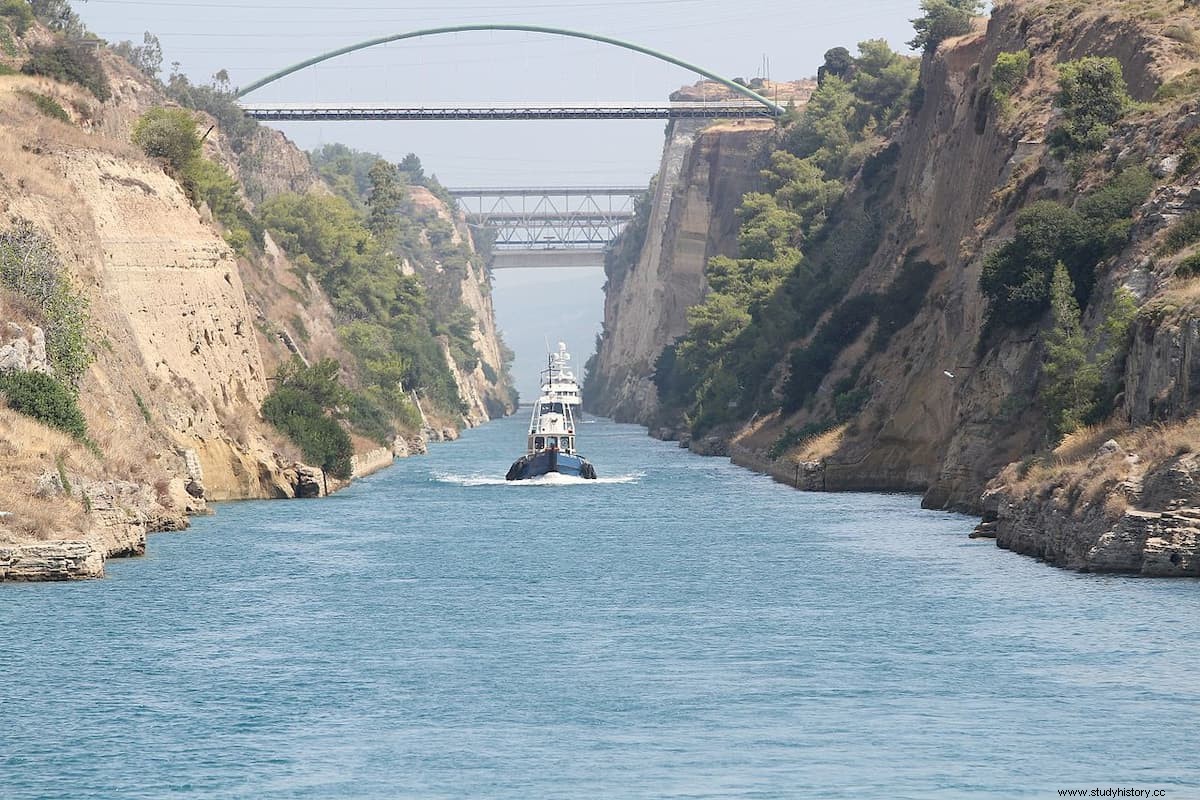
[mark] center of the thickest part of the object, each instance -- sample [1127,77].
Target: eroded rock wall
[704,172]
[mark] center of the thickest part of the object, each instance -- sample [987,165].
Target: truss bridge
[549,227]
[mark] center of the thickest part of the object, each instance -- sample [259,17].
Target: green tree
[941,20]
[1070,380]
[1093,96]
[305,406]
[70,62]
[838,63]
[169,134]
[18,13]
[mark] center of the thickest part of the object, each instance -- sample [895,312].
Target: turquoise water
[683,628]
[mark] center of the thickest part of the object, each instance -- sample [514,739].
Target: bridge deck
[483,111]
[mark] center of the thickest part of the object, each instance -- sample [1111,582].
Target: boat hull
[547,461]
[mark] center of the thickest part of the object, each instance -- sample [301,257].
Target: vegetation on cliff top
[789,272]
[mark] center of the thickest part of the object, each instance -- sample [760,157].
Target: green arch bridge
[750,104]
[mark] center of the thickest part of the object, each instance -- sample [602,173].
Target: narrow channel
[680,627]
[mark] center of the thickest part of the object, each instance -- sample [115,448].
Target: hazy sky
[251,39]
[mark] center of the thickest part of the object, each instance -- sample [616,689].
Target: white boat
[552,427]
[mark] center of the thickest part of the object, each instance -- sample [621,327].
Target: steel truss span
[548,218]
[297,112]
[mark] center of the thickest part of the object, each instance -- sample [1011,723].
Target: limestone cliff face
[705,170]
[184,335]
[484,387]
[946,412]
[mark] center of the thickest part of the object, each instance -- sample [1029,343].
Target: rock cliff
[946,405]
[183,332]
[705,170]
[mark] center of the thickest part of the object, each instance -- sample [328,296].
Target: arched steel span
[775,108]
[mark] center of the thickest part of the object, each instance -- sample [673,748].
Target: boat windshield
[552,408]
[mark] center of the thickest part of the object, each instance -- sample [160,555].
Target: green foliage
[31,267]
[46,105]
[790,268]
[141,404]
[1017,277]
[304,407]
[169,134]
[838,63]
[1069,380]
[385,314]
[1190,158]
[1009,72]
[70,62]
[1185,231]
[147,57]
[4,68]
[207,181]
[941,20]
[59,16]
[218,101]
[1189,267]
[1078,388]
[44,398]
[18,14]
[1093,96]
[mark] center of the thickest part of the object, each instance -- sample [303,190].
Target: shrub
[303,407]
[46,105]
[30,266]
[1093,96]
[1180,33]
[44,398]
[1182,86]
[1183,233]
[794,436]
[169,134]
[70,62]
[18,14]
[1016,277]
[1008,72]
[302,420]
[1189,267]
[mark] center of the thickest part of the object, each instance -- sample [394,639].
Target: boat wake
[549,479]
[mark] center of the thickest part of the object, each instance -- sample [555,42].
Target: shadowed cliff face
[704,172]
[944,412]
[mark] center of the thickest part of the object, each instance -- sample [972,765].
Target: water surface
[681,628]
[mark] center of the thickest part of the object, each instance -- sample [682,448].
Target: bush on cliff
[18,14]
[170,134]
[1016,276]
[305,406]
[1093,96]
[44,398]
[30,266]
[70,62]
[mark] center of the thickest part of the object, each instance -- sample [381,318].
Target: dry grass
[1084,478]
[818,447]
[27,449]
